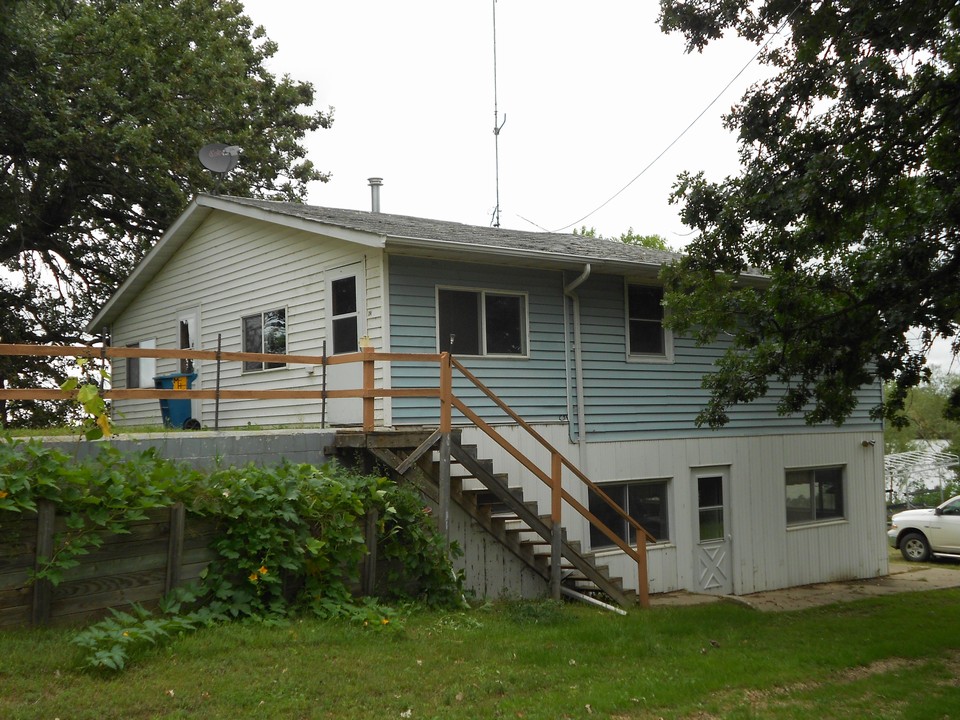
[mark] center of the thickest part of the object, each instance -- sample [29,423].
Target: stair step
[478,490]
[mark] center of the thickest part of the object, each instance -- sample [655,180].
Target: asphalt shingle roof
[444,232]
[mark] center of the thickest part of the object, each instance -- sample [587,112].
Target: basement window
[481,322]
[646,502]
[265,333]
[814,495]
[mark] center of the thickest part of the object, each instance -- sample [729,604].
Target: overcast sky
[588,94]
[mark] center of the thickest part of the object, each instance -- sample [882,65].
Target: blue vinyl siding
[628,399]
[534,386]
[624,399]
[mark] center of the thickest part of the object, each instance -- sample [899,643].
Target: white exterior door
[713,563]
[188,338]
[345,292]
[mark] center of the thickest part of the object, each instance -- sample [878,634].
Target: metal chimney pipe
[375,184]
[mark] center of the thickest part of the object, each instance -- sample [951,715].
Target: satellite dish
[220,158]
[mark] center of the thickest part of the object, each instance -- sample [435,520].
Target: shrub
[291,538]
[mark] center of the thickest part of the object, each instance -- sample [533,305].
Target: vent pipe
[375,184]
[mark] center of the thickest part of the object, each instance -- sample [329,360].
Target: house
[565,329]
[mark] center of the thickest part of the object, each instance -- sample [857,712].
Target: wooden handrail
[368,357]
[548,446]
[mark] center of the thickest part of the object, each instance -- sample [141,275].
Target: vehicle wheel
[191,424]
[915,548]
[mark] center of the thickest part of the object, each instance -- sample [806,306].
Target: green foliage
[290,539]
[655,242]
[96,418]
[111,643]
[927,410]
[847,203]
[96,497]
[293,539]
[105,106]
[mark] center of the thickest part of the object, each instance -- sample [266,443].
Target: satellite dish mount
[221,159]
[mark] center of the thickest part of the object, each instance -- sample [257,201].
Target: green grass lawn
[889,657]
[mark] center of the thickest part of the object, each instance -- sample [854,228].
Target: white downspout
[568,291]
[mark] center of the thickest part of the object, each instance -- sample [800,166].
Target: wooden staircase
[488,498]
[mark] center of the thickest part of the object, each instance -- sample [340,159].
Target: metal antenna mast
[497,125]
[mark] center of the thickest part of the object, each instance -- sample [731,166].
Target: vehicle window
[952,508]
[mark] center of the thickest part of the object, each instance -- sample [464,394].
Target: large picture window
[814,494]
[646,335]
[646,502]
[265,333]
[481,322]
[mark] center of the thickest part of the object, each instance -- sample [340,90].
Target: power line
[687,128]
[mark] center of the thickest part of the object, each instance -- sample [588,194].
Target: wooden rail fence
[448,401]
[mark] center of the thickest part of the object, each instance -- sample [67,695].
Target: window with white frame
[265,332]
[481,322]
[646,335]
[814,495]
[645,501]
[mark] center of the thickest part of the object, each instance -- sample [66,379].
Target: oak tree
[104,105]
[847,204]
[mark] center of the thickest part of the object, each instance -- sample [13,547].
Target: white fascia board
[155,259]
[314,227]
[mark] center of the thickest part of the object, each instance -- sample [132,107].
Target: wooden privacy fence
[170,546]
[553,478]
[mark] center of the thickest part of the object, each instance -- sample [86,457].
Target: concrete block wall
[206,449]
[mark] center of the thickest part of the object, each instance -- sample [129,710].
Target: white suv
[920,533]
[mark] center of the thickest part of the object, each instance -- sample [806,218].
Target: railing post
[446,425]
[556,531]
[368,379]
[643,583]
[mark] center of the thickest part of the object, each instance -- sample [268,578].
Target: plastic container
[176,413]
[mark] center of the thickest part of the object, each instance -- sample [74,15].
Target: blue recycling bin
[176,413]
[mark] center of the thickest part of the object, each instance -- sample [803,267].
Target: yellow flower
[126,634]
[3,494]
[263,570]
[253,577]
[384,622]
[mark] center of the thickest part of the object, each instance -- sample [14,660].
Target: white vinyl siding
[767,553]
[230,268]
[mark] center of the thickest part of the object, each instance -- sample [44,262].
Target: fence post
[43,589]
[368,380]
[178,517]
[368,582]
[323,387]
[556,530]
[216,401]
